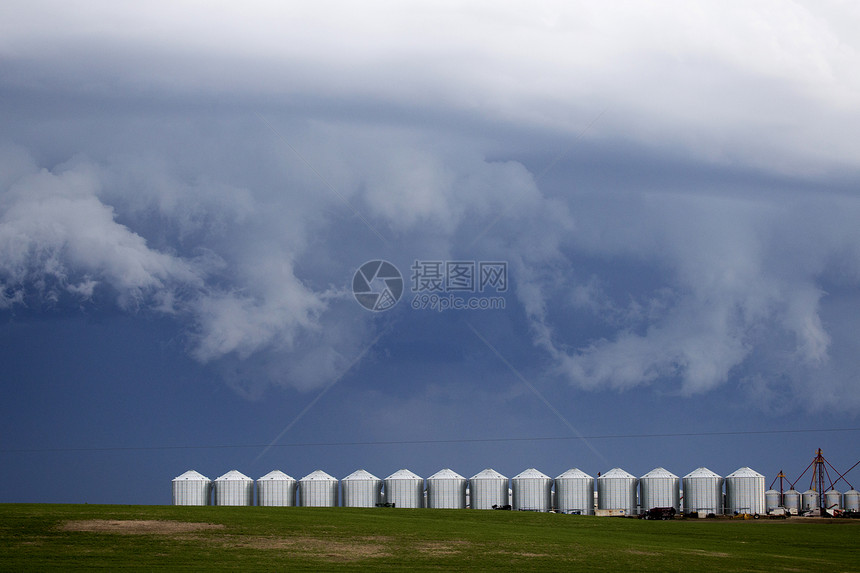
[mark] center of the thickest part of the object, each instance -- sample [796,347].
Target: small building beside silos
[616,489]
[404,489]
[234,488]
[771,500]
[446,489]
[851,500]
[791,501]
[745,491]
[318,489]
[703,492]
[531,491]
[659,488]
[360,489]
[488,488]
[574,492]
[192,488]
[276,489]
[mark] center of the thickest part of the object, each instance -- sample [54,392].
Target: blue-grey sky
[187,190]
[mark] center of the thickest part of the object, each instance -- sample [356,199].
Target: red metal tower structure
[819,467]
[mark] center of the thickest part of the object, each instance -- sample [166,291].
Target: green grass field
[37,537]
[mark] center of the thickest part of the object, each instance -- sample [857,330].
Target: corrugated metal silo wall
[851,500]
[446,493]
[833,499]
[703,494]
[485,493]
[405,493]
[192,492]
[276,493]
[771,500]
[617,493]
[361,492]
[791,499]
[234,492]
[318,493]
[575,495]
[745,494]
[809,500]
[531,494]
[659,492]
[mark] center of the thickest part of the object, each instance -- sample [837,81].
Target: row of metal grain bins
[530,490]
[703,491]
[796,502]
[232,488]
[745,492]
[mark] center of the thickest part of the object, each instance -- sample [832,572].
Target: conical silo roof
[403,474]
[446,474]
[277,475]
[234,475]
[702,473]
[616,473]
[358,475]
[744,472]
[488,474]
[574,473]
[318,475]
[531,473]
[191,475]
[660,473]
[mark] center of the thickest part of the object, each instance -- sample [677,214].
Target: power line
[419,442]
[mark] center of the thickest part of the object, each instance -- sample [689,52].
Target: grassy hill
[42,537]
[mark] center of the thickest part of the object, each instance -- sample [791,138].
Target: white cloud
[56,234]
[717,80]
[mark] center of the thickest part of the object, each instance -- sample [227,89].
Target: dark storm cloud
[136,163]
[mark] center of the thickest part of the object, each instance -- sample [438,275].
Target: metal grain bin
[446,489]
[191,488]
[851,500]
[616,489]
[809,500]
[659,488]
[404,489]
[360,489]
[703,492]
[745,491]
[488,488]
[318,489]
[532,491]
[574,492]
[276,489]
[771,500]
[791,501]
[832,499]
[234,488]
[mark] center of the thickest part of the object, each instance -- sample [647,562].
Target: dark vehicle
[659,513]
